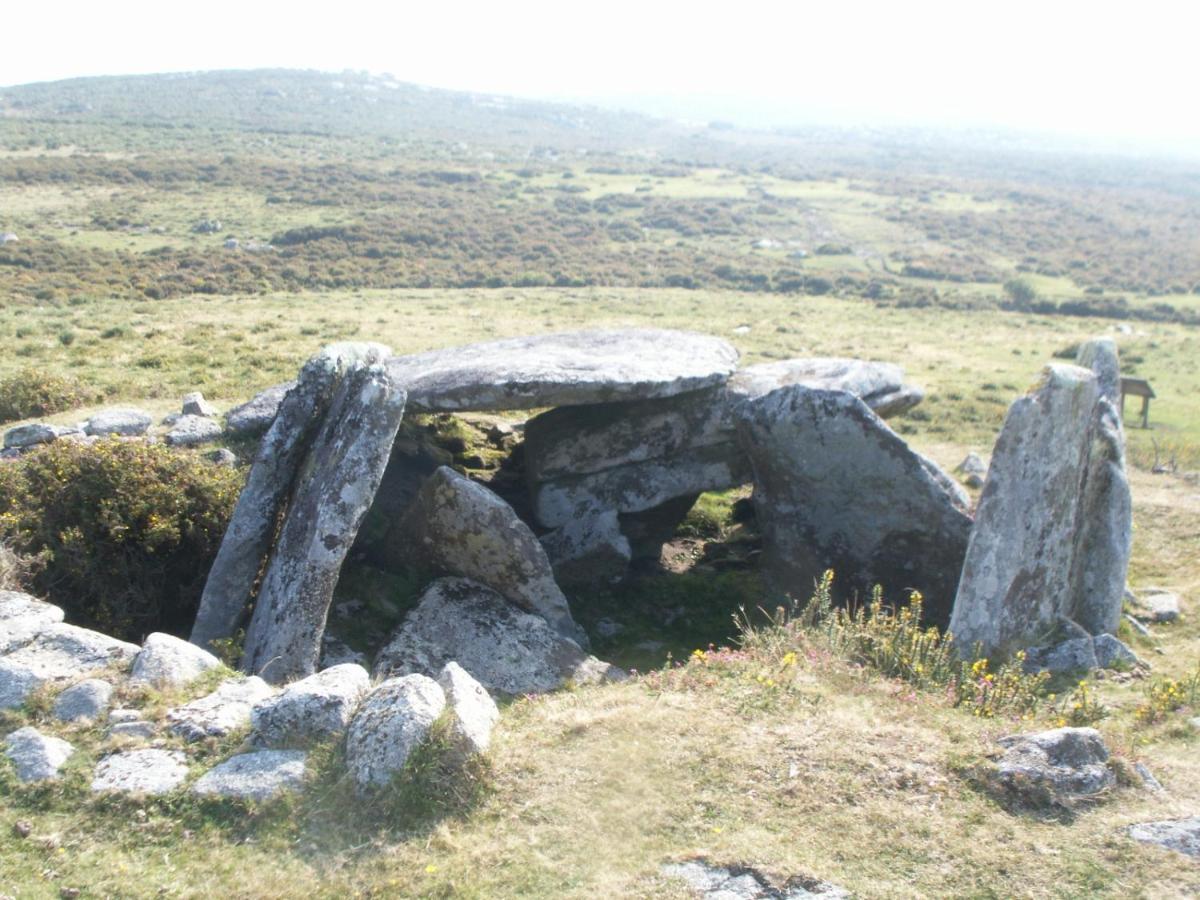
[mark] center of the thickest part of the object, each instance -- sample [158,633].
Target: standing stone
[474,713]
[1100,355]
[463,528]
[835,488]
[391,723]
[341,474]
[254,776]
[1016,582]
[166,662]
[35,756]
[88,700]
[272,476]
[256,414]
[312,709]
[194,404]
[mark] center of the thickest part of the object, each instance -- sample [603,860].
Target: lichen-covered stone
[389,725]
[1180,835]
[463,528]
[36,756]
[345,465]
[588,550]
[22,618]
[256,414]
[194,404]
[312,709]
[1100,355]
[23,436]
[218,713]
[474,713]
[501,646]
[835,488]
[1076,654]
[88,700]
[168,661]
[187,431]
[120,421]
[1060,765]
[58,653]
[256,776]
[879,385]
[146,771]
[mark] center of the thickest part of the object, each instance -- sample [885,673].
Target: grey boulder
[256,415]
[167,661]
[1068,656]
[148,771]
[86,701]
[501,646]
[1058,766]
[1149,605]
[35,433]
[256,776]
[972,470]
[187,431]
[391,723]
[22,618]
[58,653]
[473,712]
[1180,835]
[126,422]
[1100,355]
[35,756]
[194,404]
[224,710]
[315,708]
[589,549]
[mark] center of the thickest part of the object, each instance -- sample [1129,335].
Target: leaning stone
[86,701]
[277,463]
[1069,656]
[191,430]
[58,653]
[256,415]
[126,422]
[473,711]
[22,618]
[391,723]
[346,460]
[1113,653]
[254,776]
[167,661]
[504,648]
[1060,765]
[194,404]
[35,756]
[1180,835]
[879,385]
[1100,355]
[589,549]
[141,772]
[217,714]
[567,369]
[835,488]
[33,434]
[312,709]
[463,528]
[1016,580]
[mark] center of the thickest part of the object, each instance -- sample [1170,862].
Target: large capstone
[879,385]
[567,369]
[505,648]
[835,488]
[463,528]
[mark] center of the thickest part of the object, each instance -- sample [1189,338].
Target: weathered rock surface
[1149,605]
[187,431]
[836,488]
[474,713]
[87,701]
[391,723]
[1180,835]
[1112,653]
[194,404]
[141,772]
[463,528]
[1016,582]
[1100,355]
[350,452]
[714,882]
[588,550]
[879,385]
[1059,766]
[1067,656]
[270,482]
[504,648]
[127,422]
[256,414]
[167,661]
[36,756]
[59,652]
[224,710]
[567,369]
[35,433]
[314,708]
[135,730]
[22,618]
[254,776]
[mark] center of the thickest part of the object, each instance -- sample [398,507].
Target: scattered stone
[121,421]
[58,653]
[22,618]
[140,730]
[1180,835]
[350,452]
[256,415]
[1149,782]
[314,708]
[118,716]
[503,647]
[33,434]
[254,776]
[222,456]
[393,720]
[35,756]
[1069,656]
[187,431]
[474,712]
[835,488]
[1112,653]
[567,369]
[1056,766]
[973,470]
[194,404]
[463,528]
[1137,626]
[167,661]
[224,710]
[141,772]
[86,701]
[1156,605]
[735,882]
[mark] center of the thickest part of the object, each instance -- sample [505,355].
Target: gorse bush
[124,532]
[30,393]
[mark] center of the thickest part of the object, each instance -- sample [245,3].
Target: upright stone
[276,464]
[464,529]
[1100,355]
[1016,582]
[341,474]
[834,487]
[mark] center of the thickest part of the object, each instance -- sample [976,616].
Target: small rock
[194,404]
[167,661]
[141,772]
[335,652]
[22,828]
[314,708]
[1112,653]
[127,422]
[86,701]
[222,456]
[393,720]
[58,653]
[1059,766]
[1069,656]
[475,713]
[191,430]
[1148,780]
[255,776]
[117,716]
[736,882]
[224,710]
[33,434]
[135,730]
[1156,605]
[1180,835]
[607,628]
[973,470]
[35,756]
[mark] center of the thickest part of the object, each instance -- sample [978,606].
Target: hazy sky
[1112,69]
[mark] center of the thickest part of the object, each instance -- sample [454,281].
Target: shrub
[125,531]
[29,393]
